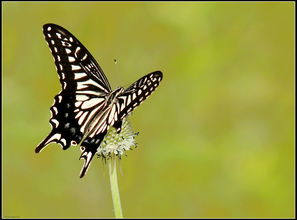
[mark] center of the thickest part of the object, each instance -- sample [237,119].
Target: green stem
[114,187]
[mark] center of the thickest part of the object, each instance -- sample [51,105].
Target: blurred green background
[216,138]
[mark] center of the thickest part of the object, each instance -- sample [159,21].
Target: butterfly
[87,107]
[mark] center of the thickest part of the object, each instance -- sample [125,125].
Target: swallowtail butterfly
[87,107]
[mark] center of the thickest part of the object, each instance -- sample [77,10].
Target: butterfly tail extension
[52,137]
[87,156]
[41,146]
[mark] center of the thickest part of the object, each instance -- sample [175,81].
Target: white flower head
[116,144]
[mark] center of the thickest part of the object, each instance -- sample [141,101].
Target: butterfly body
[87,107]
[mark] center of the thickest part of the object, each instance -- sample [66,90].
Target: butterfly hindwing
[64,126]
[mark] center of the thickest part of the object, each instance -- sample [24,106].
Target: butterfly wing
[84,89]
[73,61]
[136,94]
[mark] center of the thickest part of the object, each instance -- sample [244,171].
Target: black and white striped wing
[84,88]
[137,93]
[72,57]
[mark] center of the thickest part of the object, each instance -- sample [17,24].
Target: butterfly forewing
[73,61]
[138,92]
[86,107]
[81,77]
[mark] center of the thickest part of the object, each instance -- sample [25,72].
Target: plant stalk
[114,187]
